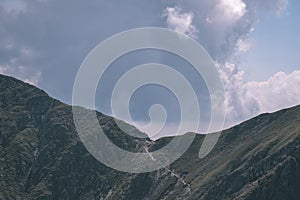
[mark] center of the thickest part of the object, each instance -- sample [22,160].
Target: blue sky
[276,44]
[254,43]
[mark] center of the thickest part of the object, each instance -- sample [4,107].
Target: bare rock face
[42,157]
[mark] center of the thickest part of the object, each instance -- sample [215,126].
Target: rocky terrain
[42,157]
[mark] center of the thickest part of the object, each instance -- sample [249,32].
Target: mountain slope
[41,157]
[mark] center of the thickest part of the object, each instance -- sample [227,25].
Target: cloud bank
[279,91]
[223,28]
[247,99]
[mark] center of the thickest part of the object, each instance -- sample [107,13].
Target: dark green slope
[41,157]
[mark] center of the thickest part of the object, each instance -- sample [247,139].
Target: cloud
[281,6]
[180,21]
[60,36]
[16,58]
[238,105]
[219,23]
[231,9]
[13,6]
[222,25]
[223,28]
[23,73]
[277,6]
[279,91]
[243,45]
[248,99]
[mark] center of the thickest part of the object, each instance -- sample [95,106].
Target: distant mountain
[42,157]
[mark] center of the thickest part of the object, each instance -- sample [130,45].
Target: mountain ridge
[42,156]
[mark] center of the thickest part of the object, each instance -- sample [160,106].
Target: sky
[275,44]
[255,45]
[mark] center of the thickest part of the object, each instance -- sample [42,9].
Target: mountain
[42,157]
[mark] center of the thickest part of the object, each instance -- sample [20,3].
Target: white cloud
[180,21]
[23,73]
[238,107]
[223,27]
[248,99]
[243,45]
[279,91]
[231,9]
